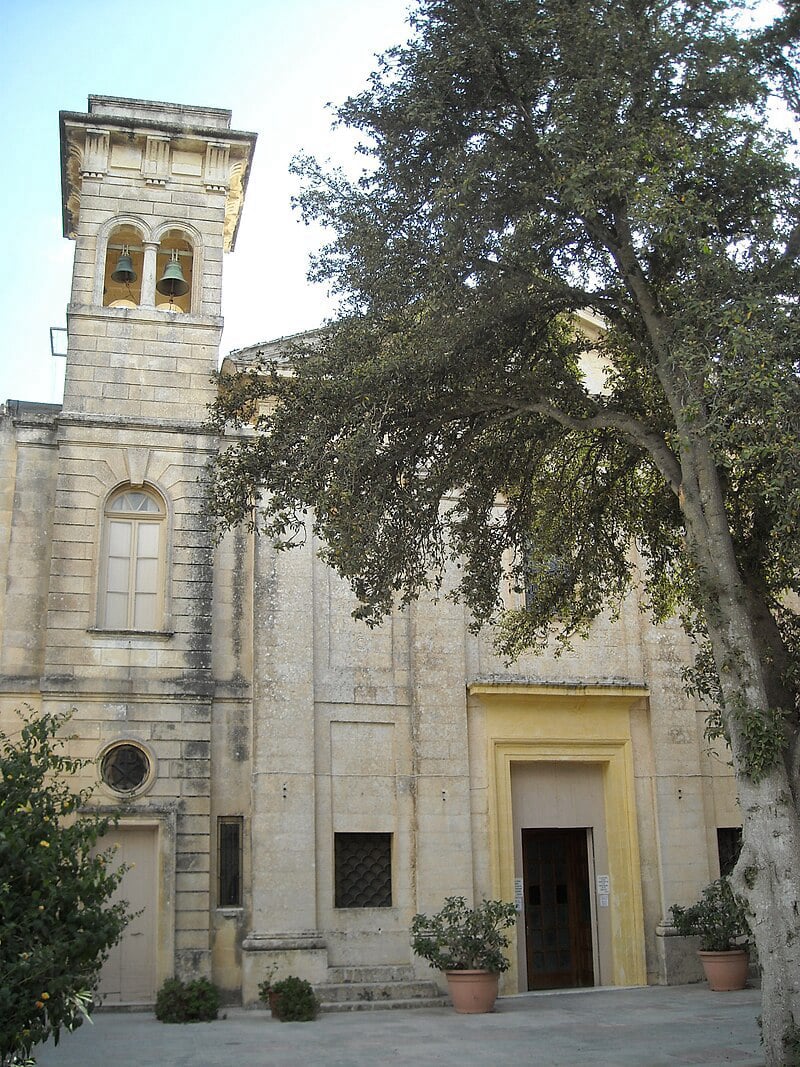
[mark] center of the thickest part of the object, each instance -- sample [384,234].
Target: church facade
[291,786]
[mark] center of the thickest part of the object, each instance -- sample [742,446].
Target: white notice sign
[603,884]
[518,895]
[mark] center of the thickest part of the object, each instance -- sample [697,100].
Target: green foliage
[460,938]
[293,1000]
[265,987]
[187,1002]
[533,168]
[56,920]
[524,163]
[719,918]
[764,731]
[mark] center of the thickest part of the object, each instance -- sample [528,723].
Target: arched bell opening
[122,280]
[174,266]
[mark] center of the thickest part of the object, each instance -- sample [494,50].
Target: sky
[275,64]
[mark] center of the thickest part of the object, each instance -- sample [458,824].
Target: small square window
[363,865]
[229,861]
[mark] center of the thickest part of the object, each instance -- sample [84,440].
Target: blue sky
[274,63]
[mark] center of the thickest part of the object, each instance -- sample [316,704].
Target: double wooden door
[558,919]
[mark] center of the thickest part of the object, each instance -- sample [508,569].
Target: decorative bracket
[215,172]
[155,165]
[95,153]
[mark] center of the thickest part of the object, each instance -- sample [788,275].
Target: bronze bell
[172,282]
[124,272]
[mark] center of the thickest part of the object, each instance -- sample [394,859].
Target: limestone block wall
[447,799]
[94,460]
[27,489]
[152,688]
[720,803]
[232,742]
[355,731]
[138,364]
[612,653]
[175,733]
[284,781]
[674,787]
[364,757]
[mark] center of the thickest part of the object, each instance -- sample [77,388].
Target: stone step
[339,991]
[438,1001]
[366,996]
[384,973]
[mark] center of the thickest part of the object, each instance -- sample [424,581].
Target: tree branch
[650,442]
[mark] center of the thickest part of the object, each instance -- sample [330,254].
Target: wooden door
[129,973]
[558,921]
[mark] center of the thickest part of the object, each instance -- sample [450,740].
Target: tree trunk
[768,872]
[768,877]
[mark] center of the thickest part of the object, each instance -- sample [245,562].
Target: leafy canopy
[527,161]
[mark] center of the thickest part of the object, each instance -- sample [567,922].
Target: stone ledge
[256,942]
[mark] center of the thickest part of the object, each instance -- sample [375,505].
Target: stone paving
[654,1026]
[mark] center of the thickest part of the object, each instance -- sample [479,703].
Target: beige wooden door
[129,973]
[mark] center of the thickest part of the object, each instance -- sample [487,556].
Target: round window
[125,768]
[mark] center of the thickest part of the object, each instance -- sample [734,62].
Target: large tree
[527,160]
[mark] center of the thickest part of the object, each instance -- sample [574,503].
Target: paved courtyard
[655,1026]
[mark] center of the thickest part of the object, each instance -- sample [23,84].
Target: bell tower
[152,196]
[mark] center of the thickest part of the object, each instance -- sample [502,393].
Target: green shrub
[187,1002]
[719,918]
[57,918]
[460,938]
[293,1000]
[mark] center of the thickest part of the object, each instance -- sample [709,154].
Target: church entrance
[558,918]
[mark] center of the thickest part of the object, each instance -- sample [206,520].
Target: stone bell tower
[152,196]
[149,189]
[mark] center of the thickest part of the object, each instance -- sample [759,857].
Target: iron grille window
[229,861]
[729,845]
[363,870]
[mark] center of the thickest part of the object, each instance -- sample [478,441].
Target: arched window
[122,281]
[133,566]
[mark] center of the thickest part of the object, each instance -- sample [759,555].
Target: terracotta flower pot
[725,970]
[472,992]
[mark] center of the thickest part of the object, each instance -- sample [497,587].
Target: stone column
[283,832]
[149,274]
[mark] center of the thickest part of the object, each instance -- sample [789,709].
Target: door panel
[558,922]
[129,973]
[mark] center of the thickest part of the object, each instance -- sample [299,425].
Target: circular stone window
[125,768]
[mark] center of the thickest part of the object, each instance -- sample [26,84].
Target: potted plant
[720,921]
[291,999]
[468,945]
[265,989]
